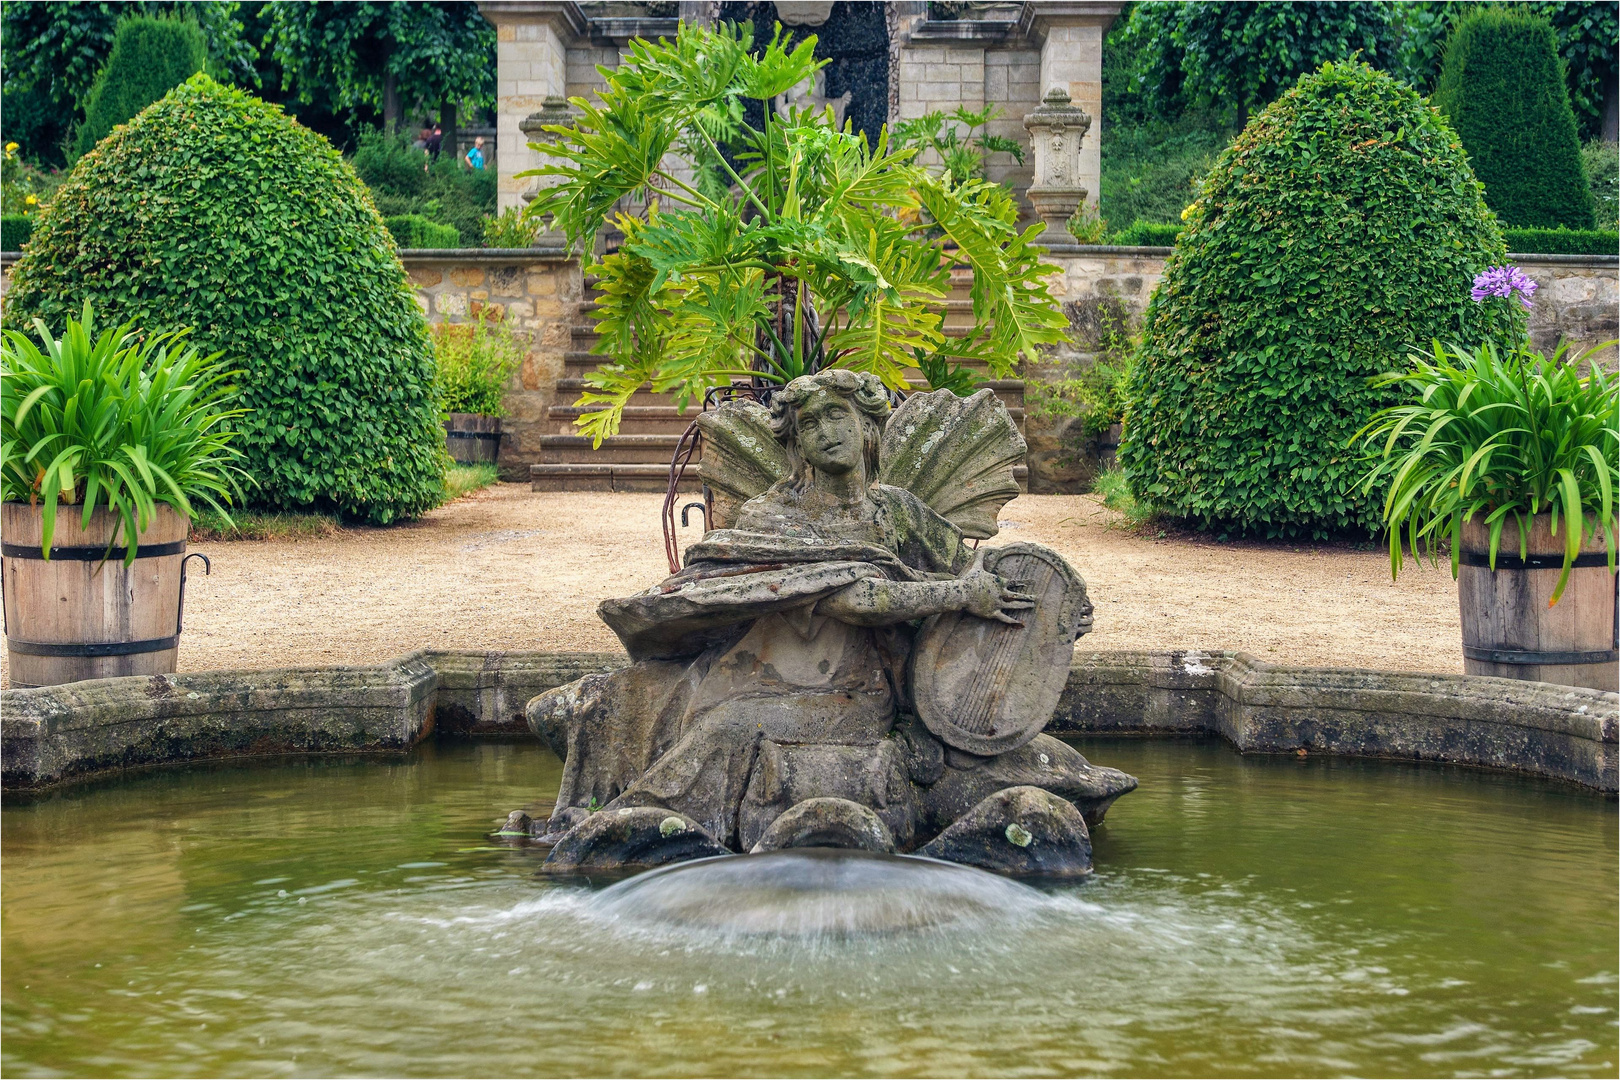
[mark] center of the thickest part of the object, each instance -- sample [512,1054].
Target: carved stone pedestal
[1056,130]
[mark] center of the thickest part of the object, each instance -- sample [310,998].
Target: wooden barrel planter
[78,616]
[472,438]
[1509,631]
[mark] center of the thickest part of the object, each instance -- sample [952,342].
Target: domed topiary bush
[1340,229]
[213,210]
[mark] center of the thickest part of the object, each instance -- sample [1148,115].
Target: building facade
[893,60]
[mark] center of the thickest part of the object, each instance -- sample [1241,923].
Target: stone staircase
[637,459]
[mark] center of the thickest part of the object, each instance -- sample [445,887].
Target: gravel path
[505,568]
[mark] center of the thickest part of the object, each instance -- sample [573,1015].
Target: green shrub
[390,165]
[213,210]
[1147,234]
[151,55]
[475,360]
[116,422]
[510,229]
[416,231]
[1151,167]
[25,188]
[15,229]
[405,181]
[1601,162]
[1341,228]
[1563,241]
[1502,88]
[1086,226]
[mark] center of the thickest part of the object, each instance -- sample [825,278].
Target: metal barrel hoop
[97,553]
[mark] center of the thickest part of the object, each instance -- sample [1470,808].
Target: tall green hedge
[213,210]
[15,229]
[1502,88]
[1341,227]
[151,55]
[1563,241]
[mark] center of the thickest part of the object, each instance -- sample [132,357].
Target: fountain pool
[1249,916]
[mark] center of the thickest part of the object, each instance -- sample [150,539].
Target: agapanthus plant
[773,251]
[1502,435]
[1505,282]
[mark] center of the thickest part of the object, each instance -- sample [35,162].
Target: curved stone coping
[61,733]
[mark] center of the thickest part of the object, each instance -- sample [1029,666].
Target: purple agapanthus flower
[1506,282]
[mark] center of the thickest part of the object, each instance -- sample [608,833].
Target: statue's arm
[881,602]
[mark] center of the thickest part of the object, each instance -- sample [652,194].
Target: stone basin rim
[51,736]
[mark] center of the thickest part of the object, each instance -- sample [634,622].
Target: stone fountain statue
[835,666]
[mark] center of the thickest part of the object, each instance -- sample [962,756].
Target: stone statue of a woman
[774,669]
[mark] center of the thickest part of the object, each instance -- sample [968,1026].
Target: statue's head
[831,422]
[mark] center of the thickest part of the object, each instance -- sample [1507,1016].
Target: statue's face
[830,435]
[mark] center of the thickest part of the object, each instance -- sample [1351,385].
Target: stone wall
[1100,288]
[536,294]
[1107,287]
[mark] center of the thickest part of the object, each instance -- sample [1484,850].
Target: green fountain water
[1250,916]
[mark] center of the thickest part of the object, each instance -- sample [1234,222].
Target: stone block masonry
[537,294]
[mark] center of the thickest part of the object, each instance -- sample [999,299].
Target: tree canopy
[386,55]
[51,53]
[1233,58]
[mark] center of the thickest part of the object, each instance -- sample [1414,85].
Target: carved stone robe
[741,699]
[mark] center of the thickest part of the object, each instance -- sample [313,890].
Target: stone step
[579,361]
[586,337]
[642,478]
[1011,392]
[665,419]
[608,477]
[615,450]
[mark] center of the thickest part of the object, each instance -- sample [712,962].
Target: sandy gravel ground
[505,568]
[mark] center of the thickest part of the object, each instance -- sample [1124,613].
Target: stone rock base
[1021,830]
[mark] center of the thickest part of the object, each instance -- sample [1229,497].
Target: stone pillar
[1071,59]
[531,65]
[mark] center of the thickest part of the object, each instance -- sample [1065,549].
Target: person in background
[435,141]
[475,153]
[422,136]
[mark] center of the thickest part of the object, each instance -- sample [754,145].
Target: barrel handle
[208,571]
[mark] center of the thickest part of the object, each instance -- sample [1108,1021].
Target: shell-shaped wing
[955,454]
[741,458]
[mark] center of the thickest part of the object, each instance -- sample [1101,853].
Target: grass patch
[1115,492]
[459,480]
[256,525]
[462,480]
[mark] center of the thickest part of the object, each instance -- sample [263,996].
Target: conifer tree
[1502,87]
[151,55]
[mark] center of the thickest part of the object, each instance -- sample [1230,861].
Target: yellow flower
[11,147]
[1187,213]
[31,200]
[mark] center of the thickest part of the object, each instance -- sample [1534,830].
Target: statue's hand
[989,596]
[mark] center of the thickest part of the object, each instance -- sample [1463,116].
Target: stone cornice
[564,16]
[621,32]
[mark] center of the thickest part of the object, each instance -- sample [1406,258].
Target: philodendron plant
[771,251]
